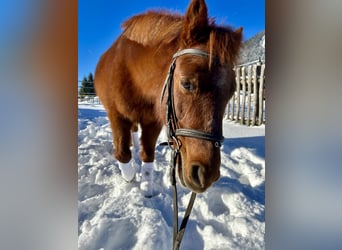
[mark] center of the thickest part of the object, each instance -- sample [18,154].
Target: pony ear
[196,23]
[236,40]
[238,35]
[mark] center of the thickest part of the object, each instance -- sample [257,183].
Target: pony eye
[187,85]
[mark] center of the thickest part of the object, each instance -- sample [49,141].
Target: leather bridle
[171,119]
[173,132]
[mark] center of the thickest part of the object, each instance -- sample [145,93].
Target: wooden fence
[247,106]
[90,99]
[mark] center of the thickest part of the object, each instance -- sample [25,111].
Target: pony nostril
[197,175]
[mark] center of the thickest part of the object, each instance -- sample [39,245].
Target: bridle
[171,119]
[173,132]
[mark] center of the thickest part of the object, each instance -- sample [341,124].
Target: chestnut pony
[130,81]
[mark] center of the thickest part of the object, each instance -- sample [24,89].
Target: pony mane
[153,28]
[156,28]
[224,44]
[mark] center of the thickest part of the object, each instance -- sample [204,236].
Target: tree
[87,86]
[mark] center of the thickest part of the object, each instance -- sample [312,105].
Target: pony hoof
[127,171]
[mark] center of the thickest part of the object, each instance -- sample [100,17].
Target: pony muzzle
[199,163]
[196,177]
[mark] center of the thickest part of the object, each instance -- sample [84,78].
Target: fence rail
[91,99]
[247,106]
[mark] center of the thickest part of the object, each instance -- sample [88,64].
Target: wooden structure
[247,106]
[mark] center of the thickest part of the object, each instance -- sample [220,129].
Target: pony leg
[122,138]
[149,137]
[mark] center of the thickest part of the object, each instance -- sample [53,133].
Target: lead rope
[178,233]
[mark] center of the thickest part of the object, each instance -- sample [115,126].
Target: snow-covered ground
[114,214]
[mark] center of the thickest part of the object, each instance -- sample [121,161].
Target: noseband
[173,132]
[171,119]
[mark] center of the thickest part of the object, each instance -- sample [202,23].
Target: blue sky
[99,21]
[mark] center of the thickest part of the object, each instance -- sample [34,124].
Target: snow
[114,214]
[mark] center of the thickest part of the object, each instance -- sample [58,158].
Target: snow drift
[114,214]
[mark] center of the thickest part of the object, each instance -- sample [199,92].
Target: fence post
[228,109]
[238,82]
[243,82]
[255,93]
[233,107]
[261,94]
[249,91]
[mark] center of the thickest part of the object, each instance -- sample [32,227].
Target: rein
[173,131]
